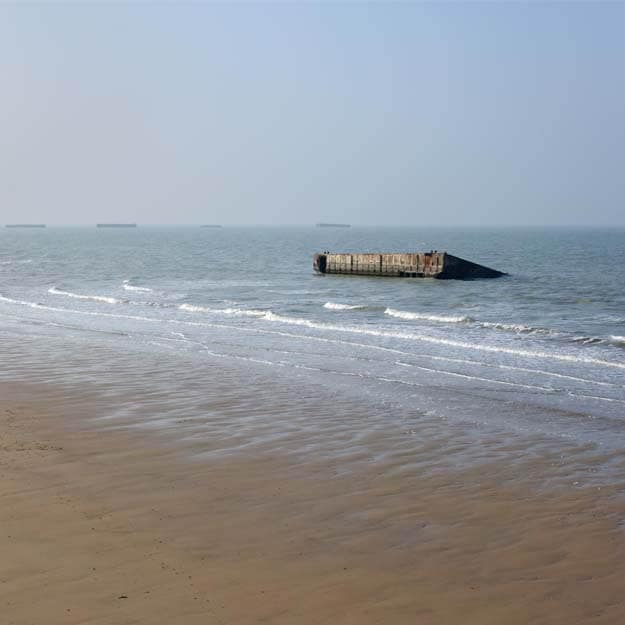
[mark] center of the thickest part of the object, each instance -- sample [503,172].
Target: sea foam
[94,298]
[335,306]
[358,330]
[518,328]
[140,289]
[413,316]
[526,353]
[238,312]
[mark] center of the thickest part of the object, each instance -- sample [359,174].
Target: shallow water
[164,321]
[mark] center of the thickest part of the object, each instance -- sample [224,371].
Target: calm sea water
[164,322]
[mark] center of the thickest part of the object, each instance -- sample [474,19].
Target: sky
[446,114]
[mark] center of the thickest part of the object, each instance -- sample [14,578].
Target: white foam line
[450,343]
[363,376]
[438,318]
[519,328]
[95,298]
[308,337]
[284,363]
[421,368]
[88,313]
[263,361]
[412,316]
[371,377]
[319,339]
[397,381]
[268,362]
[524,369]
[223,311]
[598,397]
[474,377]
[259,361]
[414,355]
[130,287]
[221,354]
[335,306]
[512,327]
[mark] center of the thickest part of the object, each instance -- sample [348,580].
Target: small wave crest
[240,312]
[617,340]
[526,353]
[139,289]
[21,302]
[412,316]
[366,331]
[614,339]
[335,306]
[150,304]
[192,308]
[587,340]
[94,298]
[519,328]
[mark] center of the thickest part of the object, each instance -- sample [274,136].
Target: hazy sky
[440,114]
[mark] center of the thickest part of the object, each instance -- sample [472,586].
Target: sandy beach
[118,527]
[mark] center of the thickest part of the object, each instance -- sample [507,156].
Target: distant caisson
[116,225]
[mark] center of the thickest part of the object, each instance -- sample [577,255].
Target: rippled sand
[123,526]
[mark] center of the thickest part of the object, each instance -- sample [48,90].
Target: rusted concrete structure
[440,265]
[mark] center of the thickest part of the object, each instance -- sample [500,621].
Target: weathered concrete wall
[422,263]
[407,265]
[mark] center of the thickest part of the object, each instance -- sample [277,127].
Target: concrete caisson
[434,264]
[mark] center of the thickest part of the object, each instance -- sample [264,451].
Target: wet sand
[122,527]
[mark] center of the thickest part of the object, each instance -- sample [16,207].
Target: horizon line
[313,225]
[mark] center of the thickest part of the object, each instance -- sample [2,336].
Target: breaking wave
[334,306]
[587,340]
[316,325]
[358,330]
[526,353]
[412,316]
[240,312]
[614,339]
[94,298]
[139,289]
[518,328]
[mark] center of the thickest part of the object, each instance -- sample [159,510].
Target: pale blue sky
[441,114]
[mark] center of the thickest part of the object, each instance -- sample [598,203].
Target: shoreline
[119,527]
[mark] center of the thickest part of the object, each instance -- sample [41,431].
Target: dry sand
[119,527]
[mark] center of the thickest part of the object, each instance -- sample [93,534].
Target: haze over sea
[155,321]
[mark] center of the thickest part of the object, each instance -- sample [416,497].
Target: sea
[226,336]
